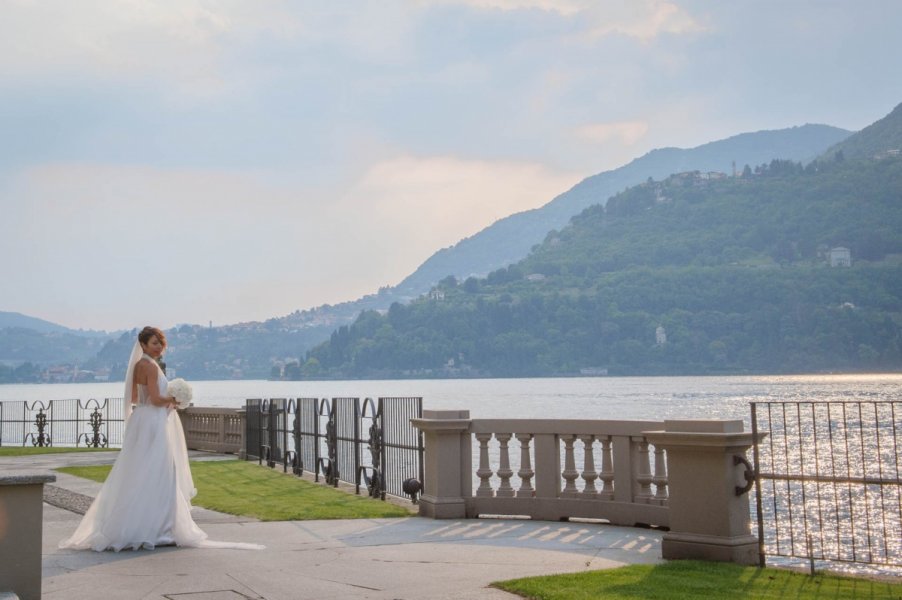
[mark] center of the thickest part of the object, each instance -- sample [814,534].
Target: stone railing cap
[703,426]
[441,424]
[446,414]
[27,478]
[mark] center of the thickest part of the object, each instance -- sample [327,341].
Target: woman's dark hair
[148,332]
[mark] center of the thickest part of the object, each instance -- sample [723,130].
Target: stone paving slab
[399,559]
[370,558]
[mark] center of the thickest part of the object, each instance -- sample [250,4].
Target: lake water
[565,398]
[640,398]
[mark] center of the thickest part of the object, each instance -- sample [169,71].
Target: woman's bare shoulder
[143,366]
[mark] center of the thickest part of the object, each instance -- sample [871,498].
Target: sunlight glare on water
[639,398]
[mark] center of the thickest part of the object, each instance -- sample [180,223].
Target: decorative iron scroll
[329,465]
[42,438]
[95,439]
[749,474]
[62,422]
[294,456]
[375,480]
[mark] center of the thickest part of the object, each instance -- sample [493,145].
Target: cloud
[626,132]
[431,202]
[644,20]
[183,43]
[640,19]
[563,7]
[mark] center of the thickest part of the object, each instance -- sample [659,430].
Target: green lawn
[244,488]
[684,579]
[31,450]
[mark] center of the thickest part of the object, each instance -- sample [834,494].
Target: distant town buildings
[660,336]
[840,257]
[593,371]
[888,153]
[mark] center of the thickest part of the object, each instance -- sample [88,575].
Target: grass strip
[247,489]
[33,450]
[685,579]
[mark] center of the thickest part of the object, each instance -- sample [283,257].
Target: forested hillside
[735,271]
[510,239]
[879,139]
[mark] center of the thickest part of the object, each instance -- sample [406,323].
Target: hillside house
[660,336]
[840,257]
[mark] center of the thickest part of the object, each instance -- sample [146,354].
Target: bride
[146,499]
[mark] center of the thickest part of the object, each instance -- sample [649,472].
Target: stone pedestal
[21,532]
[708,520]
[448,463]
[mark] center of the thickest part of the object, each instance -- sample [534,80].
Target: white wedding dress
[146,499]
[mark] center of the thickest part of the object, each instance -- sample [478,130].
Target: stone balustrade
[546,469]
[554,474]
[680,475]
[214,429]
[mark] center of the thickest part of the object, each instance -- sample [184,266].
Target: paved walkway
[409,559]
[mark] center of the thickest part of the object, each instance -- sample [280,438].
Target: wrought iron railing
[70,422]
[829,483]
[369,444]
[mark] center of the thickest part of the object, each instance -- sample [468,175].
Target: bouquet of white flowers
[181,391]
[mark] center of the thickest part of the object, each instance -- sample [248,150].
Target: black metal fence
[368,444]
[829,483]
[71,422]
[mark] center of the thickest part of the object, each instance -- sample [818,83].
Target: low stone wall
[679,475]
[214,429]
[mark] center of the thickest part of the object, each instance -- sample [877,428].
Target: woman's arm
[146,373]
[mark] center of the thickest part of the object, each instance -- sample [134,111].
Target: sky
[189,161]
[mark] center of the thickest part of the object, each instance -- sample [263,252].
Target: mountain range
[784,267]
[18,320]
[511,238]
[203,351]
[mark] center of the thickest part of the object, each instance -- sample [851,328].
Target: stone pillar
[242,447]
[21,533]
[708,520]
[448,463]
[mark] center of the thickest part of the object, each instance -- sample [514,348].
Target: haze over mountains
[511,238]
[251,349]
[783,268]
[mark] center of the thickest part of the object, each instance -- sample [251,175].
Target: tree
[311,368]
[293,371]
[471,285]
[448,282]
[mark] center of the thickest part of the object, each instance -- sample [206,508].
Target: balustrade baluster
[525,473]
[660,478]
[643,476]
[484,472]
[504,470]
[589,475]
[569,473]
[607,469]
